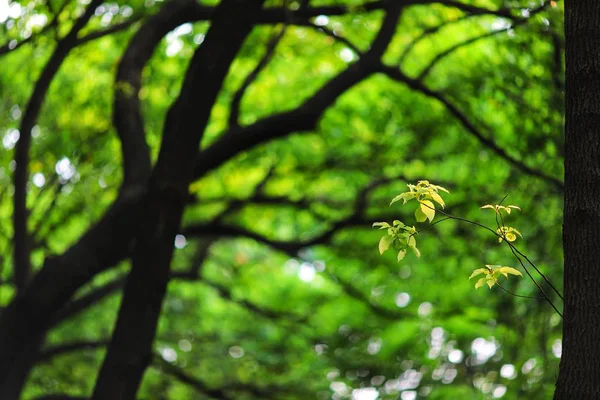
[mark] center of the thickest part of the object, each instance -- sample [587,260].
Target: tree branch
[306,116]
[20,214]
[234,112]
[129,352]
[418,86]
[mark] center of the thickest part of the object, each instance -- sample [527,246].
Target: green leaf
[420,215]
[480,283]
[490,282]
[412,242]
[479,271]
[509,270]
[385,243]
[436,197]
[416,251]
[404,197]
[428,209]
[382,225]
[401,255]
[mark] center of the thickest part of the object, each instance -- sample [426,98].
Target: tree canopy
[276,287]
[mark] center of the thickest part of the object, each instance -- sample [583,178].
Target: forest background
[276,286]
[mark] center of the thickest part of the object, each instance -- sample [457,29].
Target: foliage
[276,288]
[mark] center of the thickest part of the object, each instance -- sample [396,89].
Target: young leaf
[381,225]
[420,215]
[480,283]
[416,251]
[511,237]
[479,271]
[428,209]
[385,243]
[437,198]
[490,281]
[401,255]
[508,270]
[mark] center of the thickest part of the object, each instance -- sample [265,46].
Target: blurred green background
[289,297]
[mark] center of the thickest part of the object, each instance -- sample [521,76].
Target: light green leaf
[440,188]
[385,243]
[490,282]
[401,255]
[412,242]
[509,270]
[381,225]
[480,283]
[436,197]
[416,251]
[420,215]
[479,271]
[428,209]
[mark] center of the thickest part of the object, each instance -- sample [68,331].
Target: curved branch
[20,214]
[418,86]
[234,112]
[167,194]
[306,116]
[127,116]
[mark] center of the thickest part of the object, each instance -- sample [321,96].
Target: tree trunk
[130,350]
[579,375]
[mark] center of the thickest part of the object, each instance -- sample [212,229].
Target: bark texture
[127,359]
[579,376]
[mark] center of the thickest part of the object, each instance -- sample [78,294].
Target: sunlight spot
[402,299]
[347,55]
[374,346]
[36,21]
[36,131]
[557,348]
[499,391]
[185,345]
[11,137]
[174,46]
[449,376]
[236,352]
[199,38]
[529,365]
[15,112]
[483,350]
[12,10]
[331,375]
[425,309]
[377,380]
[180,241]
[184,29]
[168,354]
[39,180]
[321,20]
[64,169]
[508,371]
[339,388]
[306,272]
[409,395]
[368,393]
[455,356]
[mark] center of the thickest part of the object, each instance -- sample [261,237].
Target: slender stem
[515,294]
[515,252]
[430,225]
[536,284]
[536,269]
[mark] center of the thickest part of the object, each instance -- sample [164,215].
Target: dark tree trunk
[579,376]
[130,350]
